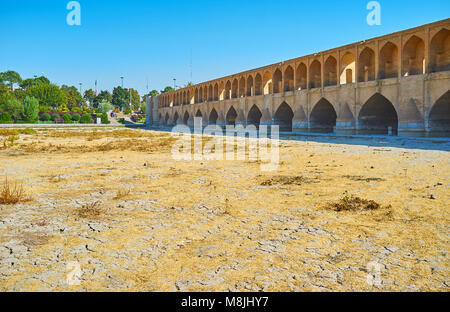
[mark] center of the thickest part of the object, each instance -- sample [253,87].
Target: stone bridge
[399,81]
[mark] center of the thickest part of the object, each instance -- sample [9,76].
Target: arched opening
[348,70]
[210,93]
[186,118]
[200,95]
[234,89]
[199,114]
[377,115]
[414,57]
[301,79]
[184,98]
[268,86]
[189,99]
[258,84]
[366,71]
[231,116]
[213,116]
[315,78]
[440,51]
[216,92]
[289,79]
[250,86]
[277,79]
[242,87]
[196,98]
[388,61]
[323,117]
[228,90]
[205,94]
[254,116]
[166,119]
[283,117]
[439,119]
[330,71]
[175,118]
[221,91]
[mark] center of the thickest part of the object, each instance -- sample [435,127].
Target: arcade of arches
[399,82]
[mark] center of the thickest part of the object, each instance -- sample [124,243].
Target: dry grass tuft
[90,210]
[284,180]
[352,203]
[122,193]
[12,194]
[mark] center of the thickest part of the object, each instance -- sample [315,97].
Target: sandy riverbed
[115,203]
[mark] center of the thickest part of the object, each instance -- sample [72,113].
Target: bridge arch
[283,117]
[289,79]
[216,92]
[175,118]
[323,116]
[439,118]
[231,116]
[254,116]
[228,90]
[388,61]
[210,93]
[213,116]
[348,69]
[315,75]
[301,77]
[199,114]
[330,72]
[186,118]
[234,89]
[242,87]
[440,51]
[196,97]
[166,119]
[413,62]
[267,82]
[366,71]
[258,84]
[377,115]
[250,86]
[277,79]
[221,90]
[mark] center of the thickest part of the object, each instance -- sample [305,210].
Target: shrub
[13,107]
[104,106]
[31,109]
[67,118]
[5,118]
[45,117]
[12,194]
[105,119]
[86,119]
[56,116]
[76,117]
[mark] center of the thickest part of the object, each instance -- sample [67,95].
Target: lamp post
[121,104]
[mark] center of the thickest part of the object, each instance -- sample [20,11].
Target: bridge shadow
[410,142]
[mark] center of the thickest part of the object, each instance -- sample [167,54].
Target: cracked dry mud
[216,226]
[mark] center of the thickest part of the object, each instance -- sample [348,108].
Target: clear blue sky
[142,39]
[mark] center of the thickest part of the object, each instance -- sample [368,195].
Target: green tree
[73,97]
[89,96]
[27,83]
[103,95]
[11,77]
[120,97]
[31,109]
[14,107]
[135,99]
[48,95]
[167,89]
[104,107]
